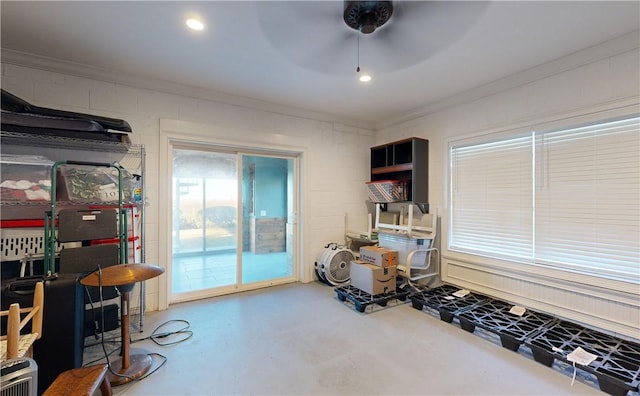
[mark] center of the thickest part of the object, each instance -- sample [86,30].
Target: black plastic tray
[494,316]
[617,365]
[361,299]
[442,300]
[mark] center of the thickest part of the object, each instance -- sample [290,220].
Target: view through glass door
[211,190]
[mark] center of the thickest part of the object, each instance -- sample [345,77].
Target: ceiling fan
[366,16]
[323,36]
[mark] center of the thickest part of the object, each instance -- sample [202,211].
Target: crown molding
[619,45]
[607,49]
[23,59]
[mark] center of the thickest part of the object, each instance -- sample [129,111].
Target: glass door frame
[198,142]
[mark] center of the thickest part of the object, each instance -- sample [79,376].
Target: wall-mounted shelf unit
[407,161]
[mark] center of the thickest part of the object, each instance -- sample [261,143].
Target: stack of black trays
[361,299]
[494,316]
[617,365]
[441,299]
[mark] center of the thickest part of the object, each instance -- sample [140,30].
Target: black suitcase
[62,343]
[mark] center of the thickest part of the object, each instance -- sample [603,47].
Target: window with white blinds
[568,199]
[492,198]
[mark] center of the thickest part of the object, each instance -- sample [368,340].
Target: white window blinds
[491,200]
[588,199]
[568,199]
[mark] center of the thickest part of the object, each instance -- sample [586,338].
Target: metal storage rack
[22,223]
[25,218]
[51,241]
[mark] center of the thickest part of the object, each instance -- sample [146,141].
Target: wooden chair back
[14,344]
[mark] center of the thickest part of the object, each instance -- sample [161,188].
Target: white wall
[337,161]
[335,165]
[600,78]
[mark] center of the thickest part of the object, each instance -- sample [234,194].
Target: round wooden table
[124,277]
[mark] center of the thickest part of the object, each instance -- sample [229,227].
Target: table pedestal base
[138,366]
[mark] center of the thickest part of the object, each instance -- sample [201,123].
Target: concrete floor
[298,339]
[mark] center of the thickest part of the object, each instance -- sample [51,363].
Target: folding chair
[415,246]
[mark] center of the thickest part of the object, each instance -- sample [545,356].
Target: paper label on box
[379,256]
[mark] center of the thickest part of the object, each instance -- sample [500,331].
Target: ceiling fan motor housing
[367,16]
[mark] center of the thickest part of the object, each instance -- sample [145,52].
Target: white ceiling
[301,54]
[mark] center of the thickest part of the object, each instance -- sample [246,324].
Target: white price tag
[581,356]
[516,310]
[461,293]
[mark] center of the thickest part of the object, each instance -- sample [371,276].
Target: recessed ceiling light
[365,78]
[195,24]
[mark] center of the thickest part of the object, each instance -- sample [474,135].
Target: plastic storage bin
[402,243]
[25,178]
[90,184]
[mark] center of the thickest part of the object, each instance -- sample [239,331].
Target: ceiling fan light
[195,24]
[367,22]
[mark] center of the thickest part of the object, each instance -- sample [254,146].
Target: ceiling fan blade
[324,42]
[419,29]
[416,31]
[336,56]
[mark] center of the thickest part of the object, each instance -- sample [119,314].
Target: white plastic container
[402,243]
[25,178]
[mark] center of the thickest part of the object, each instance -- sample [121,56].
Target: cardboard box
[379,256]
[371,278]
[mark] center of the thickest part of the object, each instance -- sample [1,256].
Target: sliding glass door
[232,218]
[266,191]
